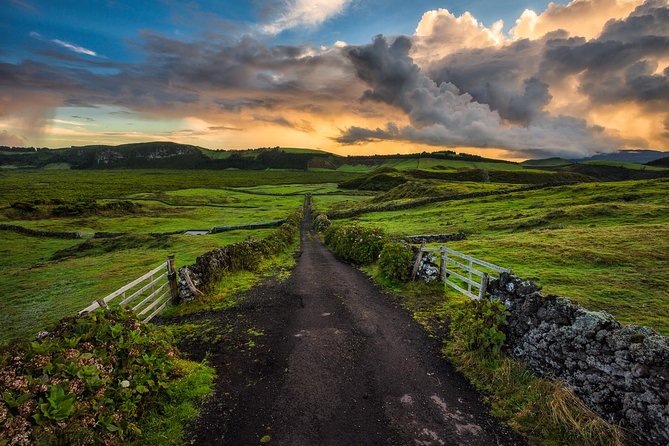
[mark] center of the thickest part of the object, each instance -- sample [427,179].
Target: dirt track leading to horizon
[339,363]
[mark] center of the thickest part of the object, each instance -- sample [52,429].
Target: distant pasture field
[605,245]
[47,278]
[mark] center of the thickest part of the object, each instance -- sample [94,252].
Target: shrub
[355,243]
[88,382]
[478,325]
[321,222]
[396,260]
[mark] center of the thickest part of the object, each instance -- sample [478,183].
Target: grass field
[605,245]
[427,163]
[45,279]
[26,185]
[633,166]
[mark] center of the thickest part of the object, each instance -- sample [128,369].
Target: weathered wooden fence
[147,295]
[471,280]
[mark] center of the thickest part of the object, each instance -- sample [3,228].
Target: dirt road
[339,363]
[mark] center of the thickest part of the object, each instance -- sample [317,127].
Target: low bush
[478,325]
[354,243]
[321,222]
[396,260]
[89,381]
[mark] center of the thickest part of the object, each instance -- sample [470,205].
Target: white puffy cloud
[440,33]
[584,18]
[294,13]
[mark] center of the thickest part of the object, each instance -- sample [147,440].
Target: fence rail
[454,264]
[148,295]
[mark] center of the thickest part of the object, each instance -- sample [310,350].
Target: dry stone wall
[434,238]
[620,371]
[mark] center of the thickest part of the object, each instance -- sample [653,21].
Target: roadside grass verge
[166,424]
[102,378]
[233,285]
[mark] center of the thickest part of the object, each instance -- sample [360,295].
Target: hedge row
[356,244]
[210,267]
[89,381]
[363,246]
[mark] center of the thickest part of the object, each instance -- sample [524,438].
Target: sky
[515,79]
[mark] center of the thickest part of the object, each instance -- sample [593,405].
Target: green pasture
[46,278]
[605,245]
[40,288]
[72,185]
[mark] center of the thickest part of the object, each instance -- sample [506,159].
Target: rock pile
[428,270]
[621,372]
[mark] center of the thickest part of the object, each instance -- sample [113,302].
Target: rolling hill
[445,165]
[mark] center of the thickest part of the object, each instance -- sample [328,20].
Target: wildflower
[71,353]
[27,408]
[77,386]
[20,382]
[125,383]
[40,361]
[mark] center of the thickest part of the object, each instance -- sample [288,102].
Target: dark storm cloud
[500,77]
[497,96]
[442,114]
[357,135]
[619,65]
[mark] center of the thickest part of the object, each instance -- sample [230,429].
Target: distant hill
[445,165]
[662,162]
[158,155]
[627,156]
[605,169]
[169,155]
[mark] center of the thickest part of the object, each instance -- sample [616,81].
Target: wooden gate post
[172,278]
[442,263]
[484,285]
[418,260]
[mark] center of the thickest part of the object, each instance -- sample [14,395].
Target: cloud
[288,14]
[67,45]
[440,33]
[442,115]
[455,83]
[7,139]
[584,18]
[623,64]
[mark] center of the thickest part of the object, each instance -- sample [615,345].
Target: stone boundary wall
[260,225]
[434,238]
[620,371]
[37,233]
[209,268]
[428,200]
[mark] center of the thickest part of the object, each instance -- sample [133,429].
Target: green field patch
[76,185]
[589,242]
[40,290]
[633,166]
